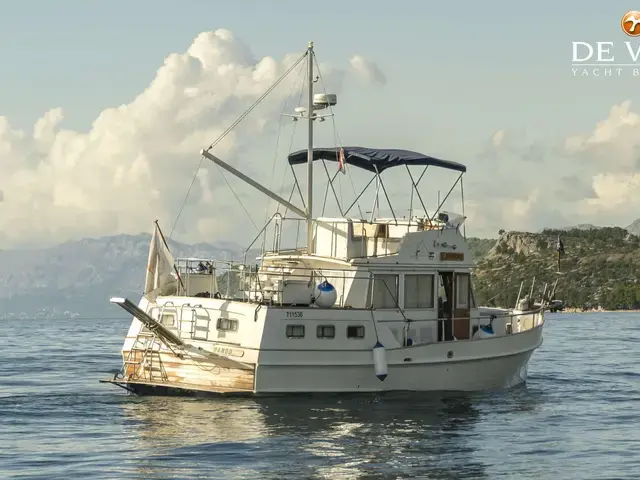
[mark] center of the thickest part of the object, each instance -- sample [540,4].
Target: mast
[310,249]
[315,102]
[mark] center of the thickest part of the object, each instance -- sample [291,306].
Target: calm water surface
[578,417]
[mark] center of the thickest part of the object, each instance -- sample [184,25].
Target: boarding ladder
[145,358]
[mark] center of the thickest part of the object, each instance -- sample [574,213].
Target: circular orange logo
[630,23]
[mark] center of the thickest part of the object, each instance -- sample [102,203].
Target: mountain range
[77,278]
[633,228]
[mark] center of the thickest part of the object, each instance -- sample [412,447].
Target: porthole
[227,324]
[326,331]
[355,331]
[295,331]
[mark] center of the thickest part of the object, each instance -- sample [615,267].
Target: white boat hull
[471,375]
[220,367]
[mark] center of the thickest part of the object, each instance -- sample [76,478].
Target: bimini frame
[376,161]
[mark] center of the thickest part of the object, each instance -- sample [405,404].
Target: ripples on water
[576,418]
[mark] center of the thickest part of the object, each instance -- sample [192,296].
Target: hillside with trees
[599,269]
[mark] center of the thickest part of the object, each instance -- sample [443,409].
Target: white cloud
[497,138]
[367,70]
[609,130]
[588,178]
[615,190]
[137,160]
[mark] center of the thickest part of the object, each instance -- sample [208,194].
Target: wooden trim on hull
[174,389]
[168,370]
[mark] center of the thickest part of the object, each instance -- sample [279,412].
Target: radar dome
[324,100]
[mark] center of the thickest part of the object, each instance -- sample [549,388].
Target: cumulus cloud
[585,178]
[136,161]
[497,138]
[367,70]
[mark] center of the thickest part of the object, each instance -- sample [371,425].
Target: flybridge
[373,160]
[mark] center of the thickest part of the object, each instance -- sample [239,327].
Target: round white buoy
[380,361]
[325,295]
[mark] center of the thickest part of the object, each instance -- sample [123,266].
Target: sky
[104,107]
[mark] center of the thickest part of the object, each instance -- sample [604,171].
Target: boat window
[295,331]
[227,324]
[168,319]
[385,291]
[418,291]
[362,229]
[462,290]
[326,331]
[382,230]
[355,331]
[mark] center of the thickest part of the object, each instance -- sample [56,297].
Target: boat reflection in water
[345,436]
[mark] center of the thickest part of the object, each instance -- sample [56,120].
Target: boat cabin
[414,268]
[349,238]
[401,268]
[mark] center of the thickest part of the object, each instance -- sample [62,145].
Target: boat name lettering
[437,244]
[228,351]
[455,256]
[294,314]
[222,350]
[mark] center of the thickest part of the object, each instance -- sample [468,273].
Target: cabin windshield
[418,290]
[384,291]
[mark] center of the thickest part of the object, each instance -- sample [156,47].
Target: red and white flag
[341,165]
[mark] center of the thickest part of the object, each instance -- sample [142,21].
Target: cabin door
[462,306]
[445,306]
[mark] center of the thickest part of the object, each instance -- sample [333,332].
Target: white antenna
[310,248]
[318,101]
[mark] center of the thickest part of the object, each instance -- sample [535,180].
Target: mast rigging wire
[275,154]
[338,141]
[231,127]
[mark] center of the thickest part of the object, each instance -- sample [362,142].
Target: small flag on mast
[560,250]
[341,167]
[560,246]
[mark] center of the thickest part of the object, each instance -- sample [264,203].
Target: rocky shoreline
[595,310]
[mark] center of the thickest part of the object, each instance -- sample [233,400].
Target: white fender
[380,361]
